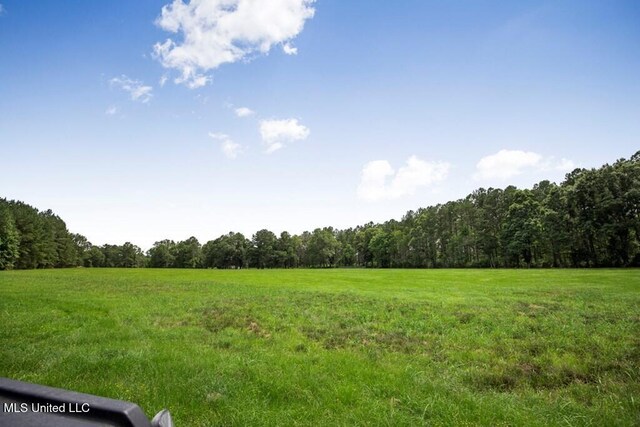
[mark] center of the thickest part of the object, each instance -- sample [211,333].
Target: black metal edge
[126,413]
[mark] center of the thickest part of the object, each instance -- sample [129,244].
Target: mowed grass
[334,347]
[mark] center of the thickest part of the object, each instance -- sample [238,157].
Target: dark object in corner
[31,405]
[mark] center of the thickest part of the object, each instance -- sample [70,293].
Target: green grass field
[334,347]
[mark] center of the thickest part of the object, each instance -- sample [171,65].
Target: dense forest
[592,219]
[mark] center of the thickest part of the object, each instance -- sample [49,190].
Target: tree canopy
[591,219]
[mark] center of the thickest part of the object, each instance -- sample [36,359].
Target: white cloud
[244,112]
[215,32]
[137,90]
[506,163]
[195,82]
[274,147]
[229,148]
[112,110]
[289,49]
[2,9]
[163,80]
[373,182]
[509,163]
[218,135]
[379,181]
[565,165]
[275,133]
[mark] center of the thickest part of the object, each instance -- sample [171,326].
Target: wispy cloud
[215,32]
[111,111]
[244,112]
[379,181]
[289,49]
[2,9]
[229,148]
[565,165]
[509,163]
[275,133]
[136,89]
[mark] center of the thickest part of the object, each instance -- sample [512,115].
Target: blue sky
[353,111]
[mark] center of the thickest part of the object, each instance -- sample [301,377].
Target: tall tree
[263,249]
[161,255]
[322,248]
[9,238]
[522,229]
[187,253]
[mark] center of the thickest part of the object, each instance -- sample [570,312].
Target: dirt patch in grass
[365,336]
[530,375]
[536,310]
[230,315]
[334,321]
[464,317]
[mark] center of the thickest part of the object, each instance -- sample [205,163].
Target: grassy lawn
[334,347]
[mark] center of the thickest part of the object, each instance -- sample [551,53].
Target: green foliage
[162,254]
[188,254]
[262,252]
[132,256]
[380,247]
[287,250]
[42,238]
[93,257]
[228,251]
[322,248]
[9,239]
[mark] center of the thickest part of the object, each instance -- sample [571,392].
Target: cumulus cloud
[136,89]
[508,163]
[275,133]
[215,32]
[244,112]
[230,149]
[379,181]
[111,111]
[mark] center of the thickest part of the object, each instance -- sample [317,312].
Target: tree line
[591,219]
